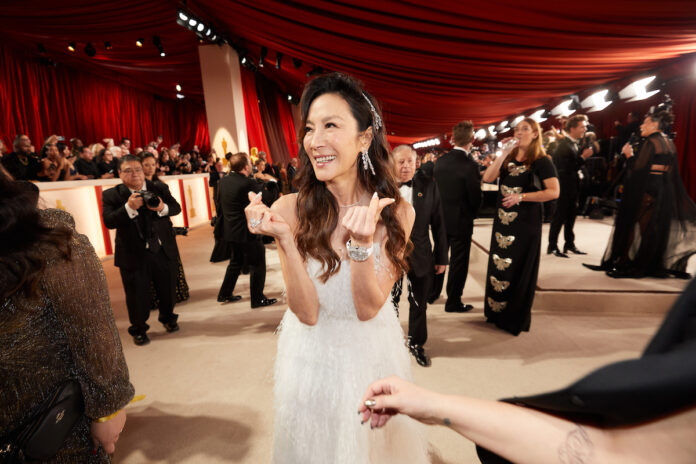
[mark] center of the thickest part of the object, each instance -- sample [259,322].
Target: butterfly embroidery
[496,306]
[501,263]
[506,218]
[510,190]
[516,170]
[499,285]
[504,241]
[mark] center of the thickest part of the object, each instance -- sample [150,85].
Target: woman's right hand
[508,144]
[261,220]
[105,434]
[627,150]
[394,395]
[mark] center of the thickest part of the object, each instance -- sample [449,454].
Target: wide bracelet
[358,253]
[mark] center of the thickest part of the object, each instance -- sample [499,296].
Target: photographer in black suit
[247,248]
[568,160]
[422,193]
[459,180]
[146,250]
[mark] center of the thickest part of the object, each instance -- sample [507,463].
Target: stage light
[596,101]
[538,115]
[426,143]
[516,121]
[162,53]
[289,97]
[90,50]
[244,60]
[480,134]
[213,38]
[297,63]
[107,45]
[502,125]
[192,22]
[183,16]
[200,27]
[262,56]
[179,96]
[491,130]
[71,46]
[638,90]
[563,108]
[178,88]
[140,42]
[279,58]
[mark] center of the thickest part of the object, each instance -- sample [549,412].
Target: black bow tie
[409,183]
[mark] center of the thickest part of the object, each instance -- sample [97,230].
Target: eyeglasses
[133,171]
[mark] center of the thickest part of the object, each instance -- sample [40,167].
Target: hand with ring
[261,220]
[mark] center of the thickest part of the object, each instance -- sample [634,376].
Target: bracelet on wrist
[358,253]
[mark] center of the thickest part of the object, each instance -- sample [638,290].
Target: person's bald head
[404,162]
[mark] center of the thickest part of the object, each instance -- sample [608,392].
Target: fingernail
[258,195]
[374,195]
[370,403]
[362,422]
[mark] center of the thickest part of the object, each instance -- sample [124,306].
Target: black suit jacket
[234,197]
[459,180]
[428,207]
[130,241]
[567,160]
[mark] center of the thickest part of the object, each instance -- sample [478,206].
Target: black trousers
[162,272]
[418,304]
[564,216]
[460,248]
[253,254]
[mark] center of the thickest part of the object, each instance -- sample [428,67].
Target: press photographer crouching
[146,251]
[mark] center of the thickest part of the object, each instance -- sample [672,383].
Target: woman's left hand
[361,221]
[105,434]
[512,200]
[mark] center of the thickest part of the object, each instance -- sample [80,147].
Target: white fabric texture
[321,373]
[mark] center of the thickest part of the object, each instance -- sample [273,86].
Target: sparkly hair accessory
[375,117]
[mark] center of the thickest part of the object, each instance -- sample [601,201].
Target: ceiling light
[516,121]
[192,22]
[538,115]
[491,130]
[178,88]
[480,134]
[596,101]
[183,16]
[213,38]
[200,27]
[289,97]
[71,46]
[262,56]
[244,60]
[638,90]
[140,42]
[563,108]
[107,45]
[426,143]
[162,53]
[208,32]
[179,96]
[502,125]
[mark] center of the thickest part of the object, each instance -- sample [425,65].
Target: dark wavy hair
[664,118]
[317,208]
[22,261]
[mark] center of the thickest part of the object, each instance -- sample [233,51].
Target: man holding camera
[146,251]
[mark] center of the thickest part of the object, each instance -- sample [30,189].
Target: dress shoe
[572,249]
[419,353]
[141,339]
[461,308]
[171,326]
[264,302]
[229,299]
[557,253]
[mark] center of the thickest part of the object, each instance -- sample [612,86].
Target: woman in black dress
[527,179]
[655,228]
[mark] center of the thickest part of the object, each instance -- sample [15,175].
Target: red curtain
[254,123]
[287,124]
[39,99]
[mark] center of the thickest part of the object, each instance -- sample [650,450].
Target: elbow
[555,194]
[309,320]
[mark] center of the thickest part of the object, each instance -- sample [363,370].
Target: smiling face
[525,133]
[332,140]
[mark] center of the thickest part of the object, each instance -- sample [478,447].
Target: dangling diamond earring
[367,163]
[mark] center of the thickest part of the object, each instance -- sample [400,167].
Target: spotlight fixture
[539,115]
[516,121]
[297,63]
[107,45]
[597,101]
[565,108]
[208,32]
[71,46]
[178,88]
[182,15]
[480,134]
[90,50]
[502,125]
[491,130]
[426,143]
[638,90]
[262,56]
[140,42]
[289,97]
[279,58]
[244,60]
[162,53]
[180,96]
[192,22]
[158,43]
[200,27]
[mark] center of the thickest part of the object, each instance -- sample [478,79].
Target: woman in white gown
[341,240]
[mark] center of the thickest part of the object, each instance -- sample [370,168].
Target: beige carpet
[209,386]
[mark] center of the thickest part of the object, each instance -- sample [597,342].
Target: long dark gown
[513,264]
[655,228]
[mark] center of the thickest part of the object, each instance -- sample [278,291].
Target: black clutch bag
[46,431]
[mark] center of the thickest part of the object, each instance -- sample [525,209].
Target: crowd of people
[351,218]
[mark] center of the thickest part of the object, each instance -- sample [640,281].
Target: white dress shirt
[133,213]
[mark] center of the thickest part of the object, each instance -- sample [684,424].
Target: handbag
[46,431]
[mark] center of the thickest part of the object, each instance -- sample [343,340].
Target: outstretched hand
[361,221]
[392,396]
[261,220]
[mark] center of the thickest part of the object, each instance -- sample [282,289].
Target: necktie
[409,183]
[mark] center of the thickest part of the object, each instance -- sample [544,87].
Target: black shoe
[264,302]
[171,326]
[594,267]
[419,353]
[141,339]
[229,299]
[557,253]
[461,308]
[572,249]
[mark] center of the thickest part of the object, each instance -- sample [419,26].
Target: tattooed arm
[524,435]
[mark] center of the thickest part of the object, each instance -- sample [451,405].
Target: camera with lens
[149,198]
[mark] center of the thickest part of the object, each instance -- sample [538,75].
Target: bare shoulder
[286,207]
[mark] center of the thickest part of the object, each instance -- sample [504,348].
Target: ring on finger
[254,223]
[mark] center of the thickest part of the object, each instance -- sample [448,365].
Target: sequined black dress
[513,264]
[68,331]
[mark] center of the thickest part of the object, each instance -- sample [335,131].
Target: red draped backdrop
[254,123]
[39,99]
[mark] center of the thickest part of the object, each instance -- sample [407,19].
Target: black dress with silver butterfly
[513,264]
